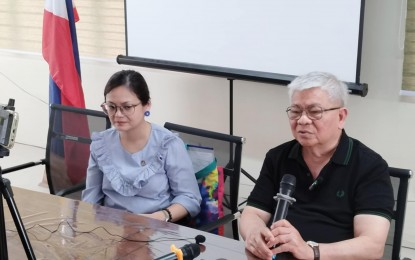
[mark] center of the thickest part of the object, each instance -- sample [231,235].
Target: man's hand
[288,239]
[257,242]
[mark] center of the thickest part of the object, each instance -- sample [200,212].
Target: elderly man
[344,197]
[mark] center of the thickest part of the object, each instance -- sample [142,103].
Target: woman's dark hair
[132,80]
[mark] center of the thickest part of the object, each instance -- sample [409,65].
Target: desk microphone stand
[7,193]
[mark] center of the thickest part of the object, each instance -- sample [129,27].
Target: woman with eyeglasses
[136,165]
[340,191]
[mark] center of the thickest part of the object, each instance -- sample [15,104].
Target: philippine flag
[60,50]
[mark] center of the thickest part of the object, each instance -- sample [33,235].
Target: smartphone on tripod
[8,126]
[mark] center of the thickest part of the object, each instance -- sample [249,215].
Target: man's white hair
[336,89]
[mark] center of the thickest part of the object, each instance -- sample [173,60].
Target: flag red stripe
[57,51]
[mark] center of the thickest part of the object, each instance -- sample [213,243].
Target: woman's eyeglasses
[111,109]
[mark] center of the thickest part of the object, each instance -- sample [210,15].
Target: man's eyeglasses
[312,112]
[111,109]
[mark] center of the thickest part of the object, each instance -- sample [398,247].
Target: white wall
[380,120]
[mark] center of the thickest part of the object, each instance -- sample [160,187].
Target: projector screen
[260,40]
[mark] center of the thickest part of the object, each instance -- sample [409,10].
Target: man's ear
[342,117]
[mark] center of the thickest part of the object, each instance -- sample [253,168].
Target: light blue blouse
[143,182]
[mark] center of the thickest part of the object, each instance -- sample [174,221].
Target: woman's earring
[147,113]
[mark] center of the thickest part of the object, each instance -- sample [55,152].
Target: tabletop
[61,228]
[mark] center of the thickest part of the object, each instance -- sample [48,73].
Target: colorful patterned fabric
[210,180]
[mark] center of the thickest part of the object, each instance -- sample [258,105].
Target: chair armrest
[70,190]
[221,221]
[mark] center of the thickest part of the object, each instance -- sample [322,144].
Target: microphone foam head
[200,239]
[287,185]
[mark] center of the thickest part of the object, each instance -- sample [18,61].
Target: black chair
[228,153]
[67,149]
[400,182]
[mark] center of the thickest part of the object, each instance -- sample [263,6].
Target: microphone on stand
[283,198]
[186,252]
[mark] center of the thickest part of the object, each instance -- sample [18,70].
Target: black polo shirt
[355,181]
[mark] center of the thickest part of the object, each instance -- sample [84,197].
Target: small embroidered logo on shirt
[143,163]
[340,193]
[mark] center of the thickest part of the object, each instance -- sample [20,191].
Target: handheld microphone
[187,252]
[283,198]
